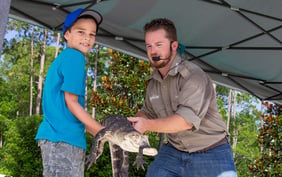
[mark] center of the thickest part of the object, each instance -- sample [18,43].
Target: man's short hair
[162,23]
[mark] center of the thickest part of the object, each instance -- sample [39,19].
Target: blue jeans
[170,162]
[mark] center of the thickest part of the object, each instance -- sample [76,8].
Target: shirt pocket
[174,103]
[159,108]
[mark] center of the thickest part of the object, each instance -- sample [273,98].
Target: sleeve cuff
[190,117]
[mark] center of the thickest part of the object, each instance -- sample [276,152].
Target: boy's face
[82,35]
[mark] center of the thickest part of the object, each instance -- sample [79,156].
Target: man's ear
[174,45]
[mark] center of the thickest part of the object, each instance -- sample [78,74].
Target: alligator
[122,139]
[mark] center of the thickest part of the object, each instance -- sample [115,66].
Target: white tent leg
[4,12]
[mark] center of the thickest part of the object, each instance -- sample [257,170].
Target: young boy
[61,134]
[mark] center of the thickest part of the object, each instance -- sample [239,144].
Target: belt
[221,142]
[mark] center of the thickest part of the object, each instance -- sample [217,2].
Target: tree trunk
[261,124]
[40,80]
[229,109]
[85,99]
[31,73]
[95,79]
[1,140]
[235,131]
[57,44]
[86,94]
[214,86]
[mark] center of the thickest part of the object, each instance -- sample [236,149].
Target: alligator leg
[125,164]
[97,149]
[116,159]
[139,161]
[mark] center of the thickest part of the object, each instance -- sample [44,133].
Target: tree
[123,86]
[31,72]
[16,67]
[40,78]
[269,137]
[246,146]
[243,125]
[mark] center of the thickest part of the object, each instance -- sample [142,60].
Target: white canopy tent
[237,42]
[4,11]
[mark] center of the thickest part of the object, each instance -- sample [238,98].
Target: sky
[10,34]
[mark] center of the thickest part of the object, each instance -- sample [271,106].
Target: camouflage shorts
[61,159]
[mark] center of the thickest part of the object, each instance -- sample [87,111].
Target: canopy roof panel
[237,42]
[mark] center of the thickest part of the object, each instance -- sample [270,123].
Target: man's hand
[171,124]
[139,123]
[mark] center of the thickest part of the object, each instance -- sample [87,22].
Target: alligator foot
[90,159]
[139,162]
[123,173]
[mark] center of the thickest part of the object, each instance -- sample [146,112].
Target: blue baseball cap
[73,16]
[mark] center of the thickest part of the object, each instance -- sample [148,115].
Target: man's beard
[163,63]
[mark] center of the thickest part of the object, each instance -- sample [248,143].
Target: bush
[20,155]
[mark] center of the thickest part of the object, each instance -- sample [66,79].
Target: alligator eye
[136,137]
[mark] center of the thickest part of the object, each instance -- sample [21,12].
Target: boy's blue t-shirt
[66,73]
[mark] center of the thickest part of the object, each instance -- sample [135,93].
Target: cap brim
[96,15]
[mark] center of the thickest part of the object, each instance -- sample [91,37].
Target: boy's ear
[66,35]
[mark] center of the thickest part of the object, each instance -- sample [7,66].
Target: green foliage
[247,146]
[20,155]
[16,77]
[123,86]
[7,106]
[269,138]
[14,71]
[243,128]
[222,100]
[100,55]
[15,67]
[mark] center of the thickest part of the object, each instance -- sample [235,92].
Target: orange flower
[110,51]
